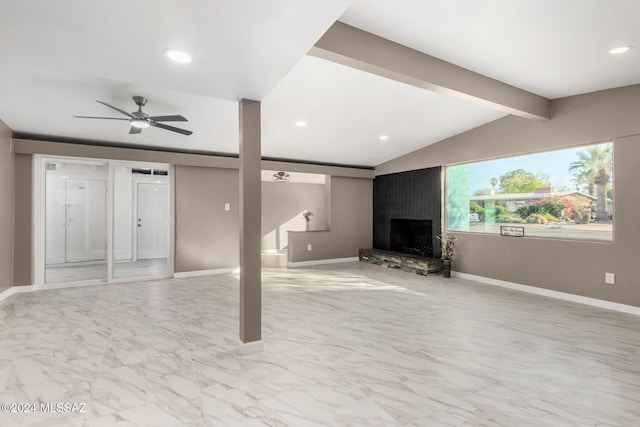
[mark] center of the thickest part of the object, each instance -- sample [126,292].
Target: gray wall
[568,266]
[206,235]
[23,221]
[282,207]
[6,208]
[351,208]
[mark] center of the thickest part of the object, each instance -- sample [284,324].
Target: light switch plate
[610,278]
[309,247]
[227,206]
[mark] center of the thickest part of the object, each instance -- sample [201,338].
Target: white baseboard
[630,309]
[251,347]
[16,290]
[198,273]
[321,261]
[6,293]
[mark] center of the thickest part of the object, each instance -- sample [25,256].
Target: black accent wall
[406,195]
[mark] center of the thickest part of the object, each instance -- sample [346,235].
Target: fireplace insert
[411,236]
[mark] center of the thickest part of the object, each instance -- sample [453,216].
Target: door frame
[39,218]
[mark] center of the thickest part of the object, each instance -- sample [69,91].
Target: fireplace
[411,236]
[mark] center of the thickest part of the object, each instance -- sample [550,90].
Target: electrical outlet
[610,278]
[227,206]
[309,247]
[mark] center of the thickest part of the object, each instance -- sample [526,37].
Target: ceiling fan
[140,120]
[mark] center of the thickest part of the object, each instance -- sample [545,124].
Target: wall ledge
[594,302]
[321,261]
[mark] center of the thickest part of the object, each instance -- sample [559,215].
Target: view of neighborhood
[562,194]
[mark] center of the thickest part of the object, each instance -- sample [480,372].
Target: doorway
[103,221]
[141,221]
[76,228]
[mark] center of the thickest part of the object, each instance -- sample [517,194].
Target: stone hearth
[407,262]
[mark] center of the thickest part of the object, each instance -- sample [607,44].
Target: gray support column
[250,228]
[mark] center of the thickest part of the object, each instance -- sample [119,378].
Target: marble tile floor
[345,345]
[73,272]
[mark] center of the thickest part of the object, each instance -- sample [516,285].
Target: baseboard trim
[251,347]
[198,273]
[24,289]
[6,293]
[321,261]
[16,290]
[629,309]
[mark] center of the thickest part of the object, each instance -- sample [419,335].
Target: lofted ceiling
[548,47]
[60,57]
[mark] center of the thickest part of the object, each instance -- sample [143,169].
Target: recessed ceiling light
[178,55]
[621,49]
[301,123]
[383,137]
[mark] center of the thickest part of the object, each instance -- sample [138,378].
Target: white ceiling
[553,48]
[59,57]
[347,110]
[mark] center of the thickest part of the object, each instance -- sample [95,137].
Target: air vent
[142,171]
[156,172]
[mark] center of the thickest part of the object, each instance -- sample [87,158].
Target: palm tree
[584,178]
[593,168]
[493,182]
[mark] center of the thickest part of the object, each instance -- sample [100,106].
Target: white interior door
[152,220]
[56,219]
[85,236]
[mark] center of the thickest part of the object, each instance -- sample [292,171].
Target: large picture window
[566,194]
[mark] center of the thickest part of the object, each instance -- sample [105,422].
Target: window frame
[445,194]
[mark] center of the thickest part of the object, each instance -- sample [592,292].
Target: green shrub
[551,205]
[585,219]
[476,208]
[510,218]
[537,219]
[526,210]
[501,210]
[577,217]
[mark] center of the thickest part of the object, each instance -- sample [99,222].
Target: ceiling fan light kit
[139,123]
[178,56]
[140,120]
[281,177]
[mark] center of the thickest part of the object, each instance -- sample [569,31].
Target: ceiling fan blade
[134,130]
[171,128]
[176,118]
[116,108]
[104,118]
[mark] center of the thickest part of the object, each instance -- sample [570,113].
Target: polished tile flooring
[345,345]
[73,272]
